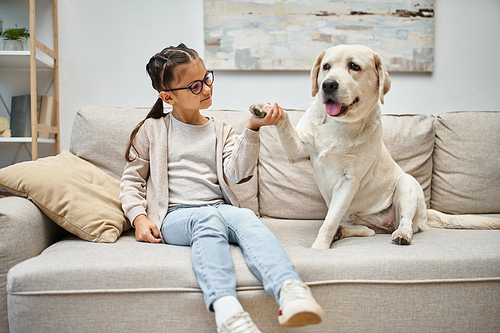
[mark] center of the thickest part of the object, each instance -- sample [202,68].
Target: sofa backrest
[286,190]
[466,177]
[454,156]
[100,136]
[289,190]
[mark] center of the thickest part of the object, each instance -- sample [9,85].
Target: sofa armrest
[25,232]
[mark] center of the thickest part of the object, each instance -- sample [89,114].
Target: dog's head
[349,80]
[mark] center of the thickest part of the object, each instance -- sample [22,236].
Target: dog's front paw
[260,110]
[339,234]
[402,236]
[321,245]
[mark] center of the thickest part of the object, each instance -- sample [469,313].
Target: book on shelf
[38,105]
[20,118]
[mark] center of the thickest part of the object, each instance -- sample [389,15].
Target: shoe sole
[301,319]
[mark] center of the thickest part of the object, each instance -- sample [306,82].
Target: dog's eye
[326,67]
[354,67]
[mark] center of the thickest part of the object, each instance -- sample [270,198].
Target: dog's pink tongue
[332,109]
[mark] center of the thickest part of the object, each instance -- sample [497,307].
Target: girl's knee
[210,218]
[250,221]
[248,217]
[249,214]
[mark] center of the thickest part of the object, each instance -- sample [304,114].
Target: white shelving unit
[25,140]
[34,61]
[21,60]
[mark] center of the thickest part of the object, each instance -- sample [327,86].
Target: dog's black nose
[330,86]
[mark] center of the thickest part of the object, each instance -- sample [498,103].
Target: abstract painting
[288,35]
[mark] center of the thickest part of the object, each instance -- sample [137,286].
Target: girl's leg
[204,229]
[263,253]
[267,259]
[206,232]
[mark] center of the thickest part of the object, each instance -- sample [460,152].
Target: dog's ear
[315,72]
[384,81]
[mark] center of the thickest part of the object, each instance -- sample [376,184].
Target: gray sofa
[445,281]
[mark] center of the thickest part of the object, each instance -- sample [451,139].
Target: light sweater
[192,170]
[144,184]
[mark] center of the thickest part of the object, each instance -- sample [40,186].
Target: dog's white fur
[355,173]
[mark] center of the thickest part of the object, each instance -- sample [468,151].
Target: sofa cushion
[99,138]
[79,276]
[289,190]
[248,191]
[410,141]
[435,255]
[286,189]
[72,192]
[466,176]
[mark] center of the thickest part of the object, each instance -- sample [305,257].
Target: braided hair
[161,69]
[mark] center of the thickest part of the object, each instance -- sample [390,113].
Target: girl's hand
[274,116]
[145,230]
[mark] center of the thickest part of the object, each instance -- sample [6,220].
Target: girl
[174,189]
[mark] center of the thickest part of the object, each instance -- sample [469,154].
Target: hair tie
[162,57]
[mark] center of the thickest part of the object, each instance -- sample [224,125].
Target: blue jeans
[209,230]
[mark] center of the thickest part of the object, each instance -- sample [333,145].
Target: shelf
[21,60]
[25,140]
[45,61]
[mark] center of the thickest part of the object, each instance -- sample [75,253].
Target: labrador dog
[341,133]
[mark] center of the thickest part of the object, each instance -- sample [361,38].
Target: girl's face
[184,100]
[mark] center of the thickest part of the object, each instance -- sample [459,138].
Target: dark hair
[161,69]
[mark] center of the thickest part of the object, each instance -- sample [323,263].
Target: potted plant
[14,39]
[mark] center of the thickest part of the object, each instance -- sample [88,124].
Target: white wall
[105,45]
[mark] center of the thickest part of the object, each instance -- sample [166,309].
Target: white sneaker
[297,305]
[240,322]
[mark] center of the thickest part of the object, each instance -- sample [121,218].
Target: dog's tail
[437,219]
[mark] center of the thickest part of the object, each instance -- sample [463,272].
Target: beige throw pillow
[75,194]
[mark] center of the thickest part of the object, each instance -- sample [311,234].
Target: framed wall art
[288,35]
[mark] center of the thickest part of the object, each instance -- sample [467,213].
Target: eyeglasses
[197,86]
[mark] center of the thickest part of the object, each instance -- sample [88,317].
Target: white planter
[14,45]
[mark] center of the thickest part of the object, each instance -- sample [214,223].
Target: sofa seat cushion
[436,255]
[449,277]
[72,266]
